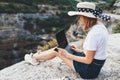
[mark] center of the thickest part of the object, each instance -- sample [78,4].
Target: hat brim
[73,13]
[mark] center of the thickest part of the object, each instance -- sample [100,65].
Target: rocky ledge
[55,69]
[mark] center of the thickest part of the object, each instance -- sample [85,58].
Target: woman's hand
[74,48]
[63,52]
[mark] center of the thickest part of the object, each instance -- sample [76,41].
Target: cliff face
[55,69]
[13,33]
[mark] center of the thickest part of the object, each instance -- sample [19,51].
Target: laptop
[61,39]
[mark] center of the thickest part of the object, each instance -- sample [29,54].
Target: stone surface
[117,7]
[55,69]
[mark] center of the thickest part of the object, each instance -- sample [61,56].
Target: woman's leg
[68,62]
[50,54]
[45,55]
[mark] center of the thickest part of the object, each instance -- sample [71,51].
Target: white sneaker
[28,58]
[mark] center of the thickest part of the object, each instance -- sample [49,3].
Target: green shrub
[16,6]
[61,7]
[116,29]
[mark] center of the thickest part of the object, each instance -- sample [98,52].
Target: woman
[89,61]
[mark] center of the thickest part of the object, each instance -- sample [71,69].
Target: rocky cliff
[55,69]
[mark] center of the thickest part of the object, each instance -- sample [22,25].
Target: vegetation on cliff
[16,6]
[116,29]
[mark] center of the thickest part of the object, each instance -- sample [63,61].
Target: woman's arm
[87,59]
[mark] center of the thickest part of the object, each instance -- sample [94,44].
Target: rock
[55,69]
[5,63]
[117,7]
[115,19]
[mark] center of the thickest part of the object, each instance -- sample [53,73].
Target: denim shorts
[86,71]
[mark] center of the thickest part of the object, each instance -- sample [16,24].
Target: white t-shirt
[96,40]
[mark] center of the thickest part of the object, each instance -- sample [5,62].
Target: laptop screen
[61,39]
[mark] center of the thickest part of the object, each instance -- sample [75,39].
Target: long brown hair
[89,22]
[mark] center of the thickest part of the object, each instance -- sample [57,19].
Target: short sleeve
[91,42]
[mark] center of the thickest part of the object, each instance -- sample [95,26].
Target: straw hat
[88,9]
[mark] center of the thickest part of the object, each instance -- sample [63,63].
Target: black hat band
[96,13]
